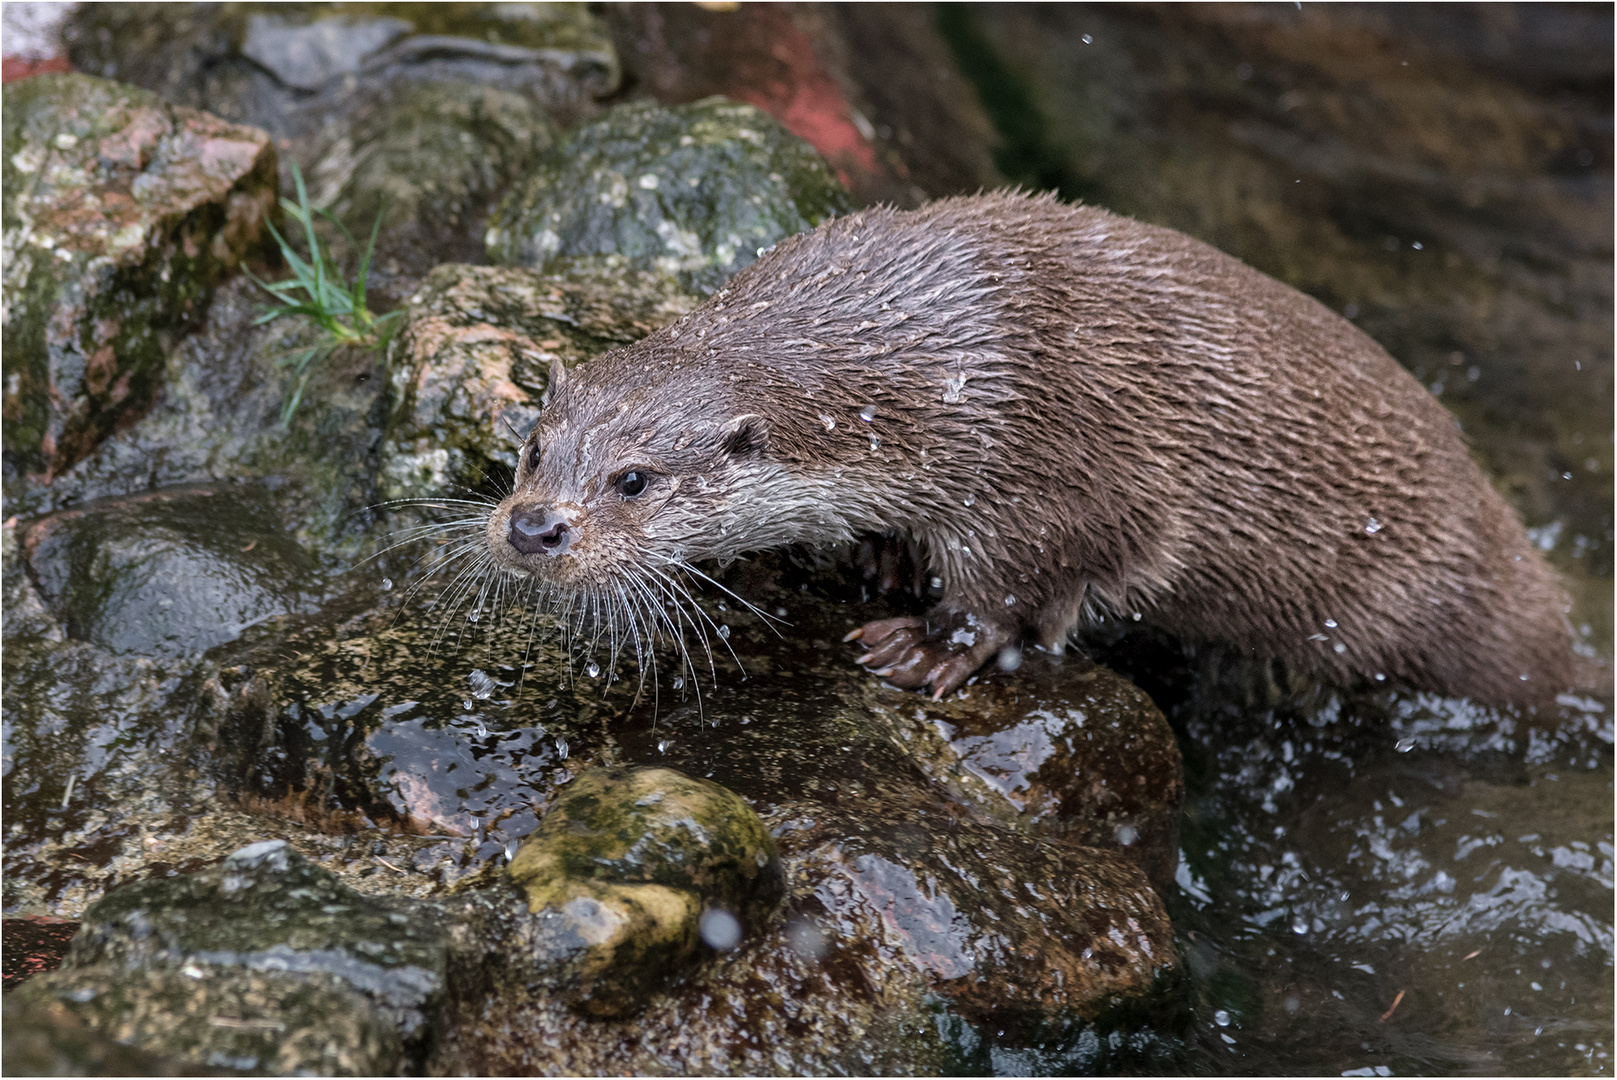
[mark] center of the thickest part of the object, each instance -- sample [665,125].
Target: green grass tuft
[317,291]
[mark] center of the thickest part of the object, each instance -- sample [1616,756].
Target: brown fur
[1078,417]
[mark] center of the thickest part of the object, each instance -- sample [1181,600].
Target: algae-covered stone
[1062,748]
[309,975]
[624,865]
[429,158]
[46,1039]
[471,358]
[230,1021]
[121,213]
[697,190]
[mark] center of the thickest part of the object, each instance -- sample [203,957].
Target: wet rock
[474,351]
[304,55]
[217,420]
[232,1021]
[264,962]
[169,574]
[428,159]
[295,68]
[913,935]
[109,703]
[121,215]
[1058,748]
[629,869]
[696,191]
[48,1040]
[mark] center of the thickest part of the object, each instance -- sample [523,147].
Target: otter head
[633,466]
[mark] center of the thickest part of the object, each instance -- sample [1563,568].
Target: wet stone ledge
[122,213]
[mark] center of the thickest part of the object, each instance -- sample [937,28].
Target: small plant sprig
[318,292]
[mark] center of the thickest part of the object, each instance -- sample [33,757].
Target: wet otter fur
[1078,418]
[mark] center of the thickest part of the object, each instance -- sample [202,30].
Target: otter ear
[746,436]
[553,381]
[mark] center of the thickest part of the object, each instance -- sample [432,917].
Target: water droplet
[1138,616]
[1087,40]
[1372,527]
[1009,599]
[1331,623]
[937,583]
[868,413]
[1379,677]
[875,444]
[679,682]
[593,670]
[467,705]
[720,929]
[829,422]
[474,614]
[482,684]
[663,745]
[780,612]
[1339,647]
[510,850]
[723,606]
[561,747]
[1299,927]
[970,500]
[724,633]
[1010,658]
[1126,834]
[387,583]
[1222,1018]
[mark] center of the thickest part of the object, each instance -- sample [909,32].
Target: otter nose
[540,532]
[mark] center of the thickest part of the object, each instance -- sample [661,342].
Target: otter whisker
[722,634]
[769,620]
[444,559]
[655,590]
[683,597]
[420,532]
[643,655]
[457,591]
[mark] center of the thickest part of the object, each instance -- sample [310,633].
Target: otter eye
[631,483]
[533,457]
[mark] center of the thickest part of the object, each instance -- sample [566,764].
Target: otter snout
[541,531]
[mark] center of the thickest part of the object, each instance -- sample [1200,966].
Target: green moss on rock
[697,191]
[626,861]
[120,215]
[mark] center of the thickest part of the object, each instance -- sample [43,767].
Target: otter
[1077,418]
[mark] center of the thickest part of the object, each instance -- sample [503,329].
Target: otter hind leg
[940,650]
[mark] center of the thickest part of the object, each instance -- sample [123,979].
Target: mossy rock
[310,976]
[626,862]
[121,214]
[698,191]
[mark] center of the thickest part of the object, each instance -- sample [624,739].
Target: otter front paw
[941,650]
